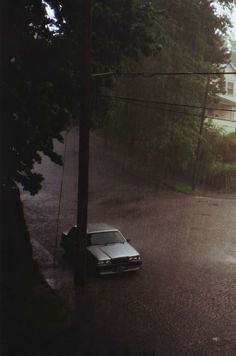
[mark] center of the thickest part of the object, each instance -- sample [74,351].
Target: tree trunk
[15,240]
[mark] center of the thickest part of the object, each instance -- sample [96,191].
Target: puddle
[230,259]
[226,257]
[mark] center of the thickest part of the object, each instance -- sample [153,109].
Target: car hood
[118,250]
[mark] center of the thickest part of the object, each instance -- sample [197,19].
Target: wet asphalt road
[183,301]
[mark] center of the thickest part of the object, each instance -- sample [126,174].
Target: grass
[180,187]
[230,190]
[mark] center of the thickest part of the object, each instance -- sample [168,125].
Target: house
[224,113]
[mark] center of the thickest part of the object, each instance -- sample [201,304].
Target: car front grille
[120,260]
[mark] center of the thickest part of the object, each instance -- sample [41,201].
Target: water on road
[183,301]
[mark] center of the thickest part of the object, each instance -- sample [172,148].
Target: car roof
[99,227]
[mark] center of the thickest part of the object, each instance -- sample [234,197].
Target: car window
[105,238]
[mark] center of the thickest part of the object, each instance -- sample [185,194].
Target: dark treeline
[41,77]
[190,38]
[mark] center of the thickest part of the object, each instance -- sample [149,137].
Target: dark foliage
[42,72]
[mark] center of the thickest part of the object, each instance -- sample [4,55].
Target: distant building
[227,101]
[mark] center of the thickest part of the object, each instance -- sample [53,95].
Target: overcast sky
[232,16]
[234,21]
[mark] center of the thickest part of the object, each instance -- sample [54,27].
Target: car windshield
[105,238]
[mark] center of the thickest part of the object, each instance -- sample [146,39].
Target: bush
[218,159]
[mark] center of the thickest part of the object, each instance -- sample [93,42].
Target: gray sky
[234,21]
[232,16]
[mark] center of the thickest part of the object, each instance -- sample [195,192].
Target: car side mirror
[128,240]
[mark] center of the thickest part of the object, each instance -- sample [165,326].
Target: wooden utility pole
[203,115]
[84,126]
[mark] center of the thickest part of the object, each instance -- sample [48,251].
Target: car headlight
[133,258]
[102,263]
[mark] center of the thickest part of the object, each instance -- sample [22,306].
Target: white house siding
[230,78]
[226,115]
[226,120]
[227,126]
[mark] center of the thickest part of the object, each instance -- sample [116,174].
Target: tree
[33,111]
[42,70]
[191,40]
[41,82]
[41,85]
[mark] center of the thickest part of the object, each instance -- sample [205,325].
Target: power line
[102,74]
[165,109]
[60,197]
[151,75]
[179,112]
[164,103]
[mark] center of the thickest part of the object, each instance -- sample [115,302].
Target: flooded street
[183,300]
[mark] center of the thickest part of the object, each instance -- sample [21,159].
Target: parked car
[107,249]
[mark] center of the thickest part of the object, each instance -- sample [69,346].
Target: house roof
[226,101]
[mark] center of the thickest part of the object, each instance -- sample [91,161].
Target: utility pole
[203,115]
[80,273]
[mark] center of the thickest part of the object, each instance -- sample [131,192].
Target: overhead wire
[60,198]
[164,103]
[164,109]
[151,75]
[179,112]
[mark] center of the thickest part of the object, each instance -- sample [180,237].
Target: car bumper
[112,269]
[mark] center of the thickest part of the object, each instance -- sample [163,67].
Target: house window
[230,88]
